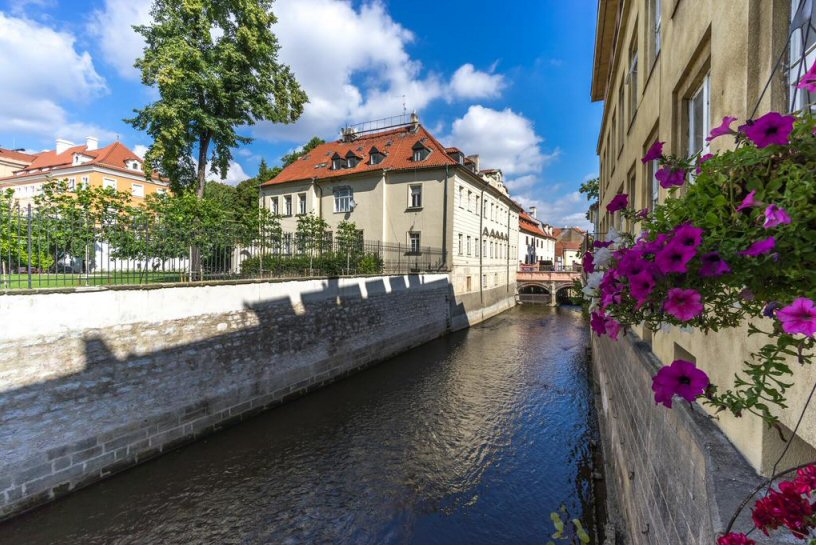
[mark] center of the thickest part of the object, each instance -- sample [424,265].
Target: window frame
[415,249]
[343,195]
[703,91]
[412,205]
[133,190]
[287,206]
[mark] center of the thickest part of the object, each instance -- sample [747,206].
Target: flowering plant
[734,242]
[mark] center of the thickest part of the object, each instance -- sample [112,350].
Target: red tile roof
[527,224]
[396,144]
[15,155]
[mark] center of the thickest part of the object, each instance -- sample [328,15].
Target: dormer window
[351,160]
[135,165]
[376,156]
[338,162]
[420,152]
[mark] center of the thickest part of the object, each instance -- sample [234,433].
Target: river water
[474,438]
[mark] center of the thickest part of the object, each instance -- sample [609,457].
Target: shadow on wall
[178,379]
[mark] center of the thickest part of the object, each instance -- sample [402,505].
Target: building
[569,242]
[400,186]
[669,70]
[114,166]
[12,160]
[536,242]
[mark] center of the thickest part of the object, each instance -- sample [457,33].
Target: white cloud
[140,150]
[522,182]
[112,28]
[467,82]
[235,174]
[503,139]
[566,211]
[42,69]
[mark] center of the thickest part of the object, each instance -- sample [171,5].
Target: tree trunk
[201,174]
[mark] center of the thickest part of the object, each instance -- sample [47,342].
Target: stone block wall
[672,476]
[94,381]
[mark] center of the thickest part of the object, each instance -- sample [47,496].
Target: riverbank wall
[672,477]
[93,381]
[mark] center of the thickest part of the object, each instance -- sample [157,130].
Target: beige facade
[669,70]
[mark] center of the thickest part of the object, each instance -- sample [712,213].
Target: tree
[215,65]
[290,158]
[591,188]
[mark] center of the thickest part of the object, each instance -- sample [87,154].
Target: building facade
[13,160]
[113,166]
[669,70]
[400,186]
[536,242]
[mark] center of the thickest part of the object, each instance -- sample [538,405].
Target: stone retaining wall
[95,381]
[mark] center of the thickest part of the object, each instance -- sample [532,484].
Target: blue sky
[509,81]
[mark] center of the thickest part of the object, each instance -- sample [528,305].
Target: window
[415,196]
[338,162]
[461,197]
[109,183]
[470,198]
[351,160]
[137,190]
[477,208]
[476,246]
[653,186]
[85,182]
[287,205]
[484,248]
[468,283]
[802,53]
[468,246]
[413,242]
[699,118]
[656,24]
[161,191]
[632,78]
[71,184]
[343,199]
[420,152]
[484,213]
[633,196]
[461,248]
[484,280]
[376,156]
[301,203]
[620,118]
[273,206]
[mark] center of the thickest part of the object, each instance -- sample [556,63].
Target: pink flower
[643,213]
[602,324]
[655,152]
[680,378]
[674,258]
[771,128]
[805,481]
[713,265]
[688,235]
[588,262]
[618,202]
[670,177]
[735,539]
[748,202]
[702,160]
[760,247]
[798,317]
[602,243]
[656,245]
[723,129]
[784,507]
[641,286]
[808,81]
[683,304]
[613,328]
[774,215]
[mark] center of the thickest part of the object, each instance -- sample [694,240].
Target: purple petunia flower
[702,160]
[588,262]
[655,152]
[774,215]
[808,81]
[760,247]
[799,317]
[602,324]
[670,177]
[681,378]
[723,129]
[748,202]
[602,243]
[771,128]
[683,304]
[688,235]
[735,539]
[674,258]
[641,286]
[769,310]
[713,265]
[618,202]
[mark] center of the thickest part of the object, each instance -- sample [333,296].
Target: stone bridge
[543,286]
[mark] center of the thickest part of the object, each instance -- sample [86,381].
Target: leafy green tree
[311,234]
[215,65]
[591,188]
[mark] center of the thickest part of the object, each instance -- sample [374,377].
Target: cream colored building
[14,160]
[669,70]
[401,186]
[113,166]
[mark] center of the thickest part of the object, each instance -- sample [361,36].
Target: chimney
[91,143]
[533,212]
[62,145]
[475,159]
[414,119]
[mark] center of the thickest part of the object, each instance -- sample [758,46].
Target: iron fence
[38,251]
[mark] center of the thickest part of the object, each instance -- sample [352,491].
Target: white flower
[614,236]
[602,257]
[594,279]
[593,304]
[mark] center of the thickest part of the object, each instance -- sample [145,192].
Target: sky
[509,81]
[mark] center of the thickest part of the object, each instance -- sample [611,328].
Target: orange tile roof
[15,155]
[396,144]
[528,224]
[114,156]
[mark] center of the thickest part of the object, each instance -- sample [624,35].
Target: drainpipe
[481,249]
[317,186]
[445,221]
[507,256]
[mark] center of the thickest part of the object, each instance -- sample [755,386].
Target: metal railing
[38,251]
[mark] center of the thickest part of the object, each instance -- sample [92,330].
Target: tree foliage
[215,66]
[591,188]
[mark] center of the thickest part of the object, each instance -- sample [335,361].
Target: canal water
[474,438]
